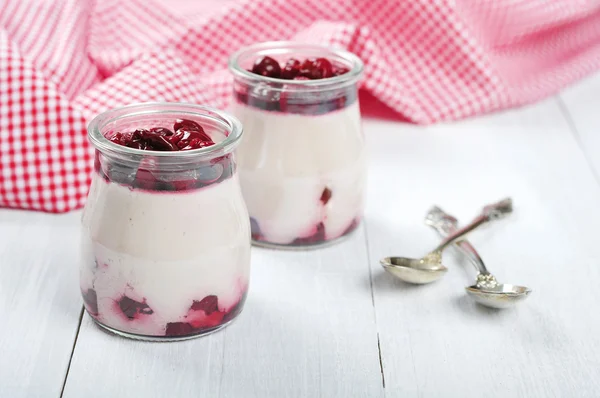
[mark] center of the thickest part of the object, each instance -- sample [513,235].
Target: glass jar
[302,162]
[166,237]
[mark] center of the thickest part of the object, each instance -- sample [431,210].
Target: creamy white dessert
[302,175]
[163,252]
[165,231]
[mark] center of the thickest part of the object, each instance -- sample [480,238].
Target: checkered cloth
[64,61]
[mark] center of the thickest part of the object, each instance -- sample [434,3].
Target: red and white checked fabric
[64,61]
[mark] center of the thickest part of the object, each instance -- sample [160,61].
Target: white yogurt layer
[165,248]
[285,162]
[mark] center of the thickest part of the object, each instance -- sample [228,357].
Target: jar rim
[104,145]
[281,47]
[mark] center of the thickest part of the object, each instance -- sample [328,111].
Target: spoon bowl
[411,270]
[429,268]
[498,296]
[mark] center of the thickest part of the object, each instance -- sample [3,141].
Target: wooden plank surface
[316,322]
[435,341]
[40,305]
[308,330]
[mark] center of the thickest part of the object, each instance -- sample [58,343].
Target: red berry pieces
[319,68]
[188,135]
[267,66]
[208,304]
[309,69]
[204,315]
[317,237]
[178,329]
[324,67]
[189,125]
[291,69]
[325,196]
[133,309]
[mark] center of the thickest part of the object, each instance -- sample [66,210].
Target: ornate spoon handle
[447,225]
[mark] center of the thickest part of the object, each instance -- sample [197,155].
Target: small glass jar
[302,162]
[166,237]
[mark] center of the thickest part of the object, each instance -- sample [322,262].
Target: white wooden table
[330,323]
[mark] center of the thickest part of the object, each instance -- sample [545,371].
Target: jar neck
[148,115]
[241,62]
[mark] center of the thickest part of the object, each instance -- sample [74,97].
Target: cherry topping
[189,125]
[132,309]
[324,68]
[208,304]
[325,196]
[188,135]
[308,69]
[291,69]
[191,139]
[161,131]
[311,68]
[266,66]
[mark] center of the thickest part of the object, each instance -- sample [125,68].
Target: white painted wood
[435,341]
[39,301]
[308,330]
[582,105]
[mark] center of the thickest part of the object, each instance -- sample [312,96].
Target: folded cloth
[64,61]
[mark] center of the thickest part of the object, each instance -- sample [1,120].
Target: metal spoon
[429,268]
[486,290]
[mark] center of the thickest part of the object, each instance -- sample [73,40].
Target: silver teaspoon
[429,268]
[486,290]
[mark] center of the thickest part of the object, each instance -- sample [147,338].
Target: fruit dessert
[166,238]
[302,161]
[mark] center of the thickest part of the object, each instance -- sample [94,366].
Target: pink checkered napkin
[64,61]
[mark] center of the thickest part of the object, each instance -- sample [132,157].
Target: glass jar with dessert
[166,237]
[302,162]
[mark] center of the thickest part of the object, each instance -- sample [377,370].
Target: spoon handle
[445,224]
[490,212]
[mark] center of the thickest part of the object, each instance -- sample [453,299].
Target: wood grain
[434,340]
[39,301]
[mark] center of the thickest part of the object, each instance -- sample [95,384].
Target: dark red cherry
[196,143]
[185,137]
[189,125]
[178,329]
[307,69]
[208,304]
[316,237]
[132,308]
[161,131]
[324,68]
[157,142]
[267,66]
[325,196]
[291,69]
